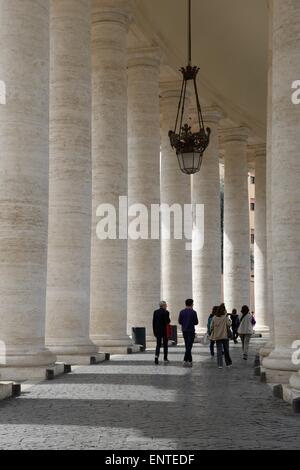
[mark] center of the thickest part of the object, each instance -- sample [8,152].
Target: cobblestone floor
[129,403]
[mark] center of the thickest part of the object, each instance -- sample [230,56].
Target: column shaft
[143,183]
[109,154]
[260,242]
[236,220]
[206,191]
[24,68]
[176,264]
[269,346]
[70,188]
[285,183]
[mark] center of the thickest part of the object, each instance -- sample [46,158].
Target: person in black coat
[161,318]
[235,320]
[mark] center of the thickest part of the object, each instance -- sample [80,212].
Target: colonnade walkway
[130,403]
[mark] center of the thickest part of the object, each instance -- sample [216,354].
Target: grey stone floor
[129,403]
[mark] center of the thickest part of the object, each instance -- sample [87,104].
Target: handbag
[169,331]
[205,339]
[229,332]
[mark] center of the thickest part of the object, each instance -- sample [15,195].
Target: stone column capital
[145,56]
[170,89]
[117,11]
[234,134]
[259,150]
[212,114]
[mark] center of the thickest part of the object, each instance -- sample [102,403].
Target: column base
[75,348]
[20,374]
[278,366]
[266,350]
[201,331]
[292,391]
[30,357]
[262,329]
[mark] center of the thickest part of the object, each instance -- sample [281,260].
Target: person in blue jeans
[209,322]
[220,327]
[188,319]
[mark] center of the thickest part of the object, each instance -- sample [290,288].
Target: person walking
[188,319]
[209,322]
[161,318]
[219,332]
[235,322]
[245,329]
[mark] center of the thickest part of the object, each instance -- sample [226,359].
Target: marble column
[260,241]
[176,259]
[268,347]
[24,69]
[70,186]
[110,21]
[206,191]
[279,365]
[143,184]
[236,219]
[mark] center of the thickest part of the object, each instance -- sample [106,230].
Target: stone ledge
[278,391]
[296,405]
[38,373]
[82,359]
[9,390]
[135,348]
[59,368]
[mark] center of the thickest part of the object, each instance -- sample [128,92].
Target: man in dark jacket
[161,318]
[188,319]
[235,323]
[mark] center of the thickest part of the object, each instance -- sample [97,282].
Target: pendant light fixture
[189,145]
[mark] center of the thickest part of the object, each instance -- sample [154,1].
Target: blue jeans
[223,344]
[189,337]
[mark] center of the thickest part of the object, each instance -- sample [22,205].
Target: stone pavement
[129,403]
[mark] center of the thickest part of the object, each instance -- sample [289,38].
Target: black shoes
[156,360]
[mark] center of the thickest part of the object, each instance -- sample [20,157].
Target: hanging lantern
[189,145]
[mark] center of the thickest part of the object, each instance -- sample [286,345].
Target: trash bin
[139,336]
[172,336]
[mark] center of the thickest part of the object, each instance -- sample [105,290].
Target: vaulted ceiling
[230,45]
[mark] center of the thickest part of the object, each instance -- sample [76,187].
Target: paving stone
[130,403]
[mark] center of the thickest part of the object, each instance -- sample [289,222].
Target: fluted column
[176,264]
[24,69]
[206,191]
[70,188]
[236,219]
[260,241]
[285,191]
[143,183]
[110,23]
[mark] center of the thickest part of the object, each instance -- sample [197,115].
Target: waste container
[172,334]
[139,336]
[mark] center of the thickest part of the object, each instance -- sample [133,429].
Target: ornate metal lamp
[189,145]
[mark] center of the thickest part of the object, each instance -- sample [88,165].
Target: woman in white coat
[245,329]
